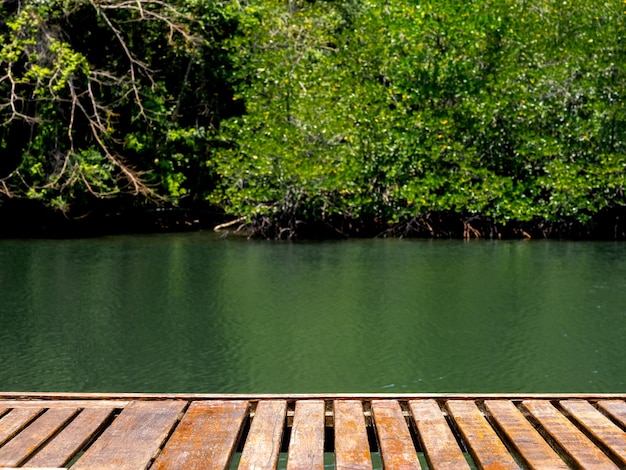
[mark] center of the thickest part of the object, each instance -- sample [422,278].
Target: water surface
[196,313]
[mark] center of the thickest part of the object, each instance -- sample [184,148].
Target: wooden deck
[96,431]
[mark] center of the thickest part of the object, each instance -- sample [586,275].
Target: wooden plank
[442,450]
[535,451]
[26,442]
[71,439]
[265,436]
[352,450]
[306,447]
[15,420]
[569,437]
[599,426]
[485,446]
[134,437]
[63,404]
[304,396]
[206,436]
[394,439]
[615,408]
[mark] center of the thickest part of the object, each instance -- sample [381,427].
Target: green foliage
[95,96]
[513,111]
[341,112]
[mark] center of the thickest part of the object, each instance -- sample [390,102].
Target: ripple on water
[196,314]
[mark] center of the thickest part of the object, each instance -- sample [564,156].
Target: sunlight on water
[194,313]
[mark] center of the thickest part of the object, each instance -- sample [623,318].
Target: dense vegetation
[337,117]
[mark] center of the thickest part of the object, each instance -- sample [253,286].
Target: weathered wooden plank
[265,436]
[535,451]
[206,436]
[569,437]
[306,396]
[396,446]
[599,426]
[352,450]
[440,446]
[15,420]
[485,446]
[64,403]
[71,439]
[18,418]
[616,409]
[306,446]
[134,437]
[22,446]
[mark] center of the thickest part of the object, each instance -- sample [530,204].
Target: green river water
[196,313]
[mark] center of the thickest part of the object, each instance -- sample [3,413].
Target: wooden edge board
[29,396]
[39,403]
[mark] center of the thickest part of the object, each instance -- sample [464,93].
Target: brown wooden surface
[534,450]
[71,439]
[264,439]
[578,446]
[484,444]
[396,446]
[38,403]
[616,409]
[306,447]
[134,438]
[62,396]
[440,446]
[206,437]
[160,432]
[16,419]
[21,447]
[352,450]
[599,426]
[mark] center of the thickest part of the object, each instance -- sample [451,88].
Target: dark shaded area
[31,219]
[14,138]
[609,224]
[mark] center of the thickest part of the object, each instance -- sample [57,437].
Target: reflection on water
[195,313]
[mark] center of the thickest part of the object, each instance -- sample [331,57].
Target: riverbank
[30,219]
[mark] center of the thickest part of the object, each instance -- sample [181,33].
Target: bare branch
[147,10]
[14,100]
[84,99]
[5,189]
[134,62]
